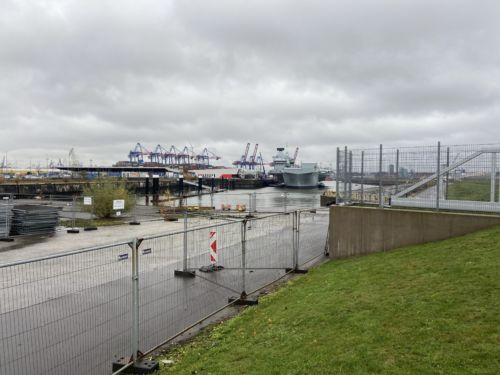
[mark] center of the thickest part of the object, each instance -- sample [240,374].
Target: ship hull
[301,180]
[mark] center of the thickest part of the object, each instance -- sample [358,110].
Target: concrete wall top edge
[410,210]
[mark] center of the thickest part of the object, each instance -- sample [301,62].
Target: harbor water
[268,198]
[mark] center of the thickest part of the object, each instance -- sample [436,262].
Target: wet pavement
[71,314]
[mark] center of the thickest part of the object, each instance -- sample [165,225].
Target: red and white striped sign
[213,247]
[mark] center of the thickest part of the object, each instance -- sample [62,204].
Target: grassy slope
[470,189]
[429,309]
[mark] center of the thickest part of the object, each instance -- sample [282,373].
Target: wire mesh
[67,314]
[72,313]
[441,177]
[313,232]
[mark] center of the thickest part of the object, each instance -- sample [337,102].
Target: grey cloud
[102,75]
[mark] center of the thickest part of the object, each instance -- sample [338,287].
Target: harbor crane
[295,155]
[183,157]
[243,160]
[136,155]
[72,159]
[203,159]
[156,155]
[252,162]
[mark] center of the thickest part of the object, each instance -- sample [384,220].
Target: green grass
[428,309]
[470,189]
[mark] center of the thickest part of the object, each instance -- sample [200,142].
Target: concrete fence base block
[187,273]
[143,366]
[295,270]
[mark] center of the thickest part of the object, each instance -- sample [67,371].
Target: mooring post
[438,177]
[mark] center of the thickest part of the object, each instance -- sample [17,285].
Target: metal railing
[74,312]
[456,178]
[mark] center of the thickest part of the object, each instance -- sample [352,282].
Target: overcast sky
[101,75]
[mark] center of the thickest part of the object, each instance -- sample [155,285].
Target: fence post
[296,244]
[397,172]
[438,177]
[350,177]
[337,179]
[185,272]
[362,175]
[380,195]
[344,180]
[243,299]
[135,299]
[493,176]
[136,364]
[285,195]
[447,173]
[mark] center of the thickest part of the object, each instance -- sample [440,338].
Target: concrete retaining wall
[361,230]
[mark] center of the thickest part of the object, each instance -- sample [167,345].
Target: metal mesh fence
[456,178]
[73,313]
[59,311]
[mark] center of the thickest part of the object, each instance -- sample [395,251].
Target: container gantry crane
[203,159]
[136,155]
[252,162]
[243,160]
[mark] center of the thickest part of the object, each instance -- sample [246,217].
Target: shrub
[103,195]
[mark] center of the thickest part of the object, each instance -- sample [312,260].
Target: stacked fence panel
[33,219]
[5,219]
